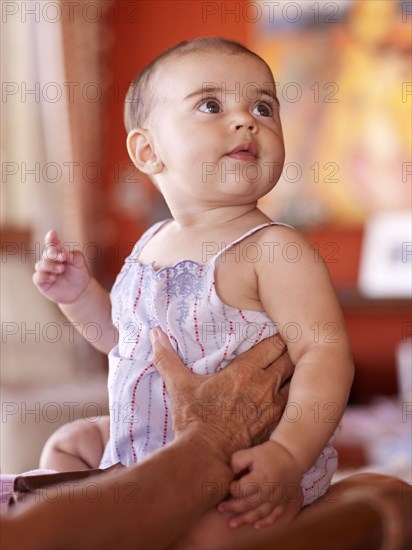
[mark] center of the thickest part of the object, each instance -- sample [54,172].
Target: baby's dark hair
[140,97]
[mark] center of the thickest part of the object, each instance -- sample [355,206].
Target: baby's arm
[63,277]
[318,345]
[300,297]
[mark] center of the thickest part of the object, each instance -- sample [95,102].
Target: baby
[203,123]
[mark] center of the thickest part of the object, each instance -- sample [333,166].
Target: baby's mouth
[245,152]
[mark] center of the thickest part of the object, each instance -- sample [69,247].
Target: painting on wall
[343,74]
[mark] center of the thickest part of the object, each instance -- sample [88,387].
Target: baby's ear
[139,146]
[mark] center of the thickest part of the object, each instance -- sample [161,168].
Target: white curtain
[50,137]
[35,128]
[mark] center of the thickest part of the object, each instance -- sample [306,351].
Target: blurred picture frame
[385,269]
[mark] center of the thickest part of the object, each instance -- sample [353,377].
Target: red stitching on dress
[196,322]
[242,316]
[210,291]
[133,410]
[260,334]
[317,481]
[166,415]
[139,293]
[229,340]
[137,341]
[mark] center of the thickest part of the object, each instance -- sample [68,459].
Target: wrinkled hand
[233,408]
[269,489]
[61,275]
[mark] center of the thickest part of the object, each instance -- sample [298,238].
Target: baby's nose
[245,122]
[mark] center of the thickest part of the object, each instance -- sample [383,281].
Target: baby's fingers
[244,496]
[253,516]
[241,460]
[44,279]
[234,506]
[270,517]
[54,250]
[46,273]
[49,267]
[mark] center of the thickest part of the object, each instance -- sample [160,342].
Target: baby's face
[217,129]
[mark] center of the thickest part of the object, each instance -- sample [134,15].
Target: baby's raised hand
[270,488]
[61,275]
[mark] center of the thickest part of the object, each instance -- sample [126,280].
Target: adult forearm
[93,306]
[144,507]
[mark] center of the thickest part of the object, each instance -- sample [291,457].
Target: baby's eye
[209,106]
[263,109]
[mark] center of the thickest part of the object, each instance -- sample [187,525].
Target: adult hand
[234,408]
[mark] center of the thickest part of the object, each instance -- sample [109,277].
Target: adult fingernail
[154,335]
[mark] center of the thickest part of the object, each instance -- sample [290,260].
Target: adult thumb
[165,359]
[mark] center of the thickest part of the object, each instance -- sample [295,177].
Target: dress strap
[245,235]
[145,238]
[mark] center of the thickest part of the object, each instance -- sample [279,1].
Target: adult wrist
[216,459]
[204,437]
[216,440]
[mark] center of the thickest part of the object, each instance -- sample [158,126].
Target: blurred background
[343,72]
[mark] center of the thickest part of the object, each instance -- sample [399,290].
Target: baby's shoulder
[279,244]
[280,235]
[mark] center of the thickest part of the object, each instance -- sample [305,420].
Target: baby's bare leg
[78,445]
